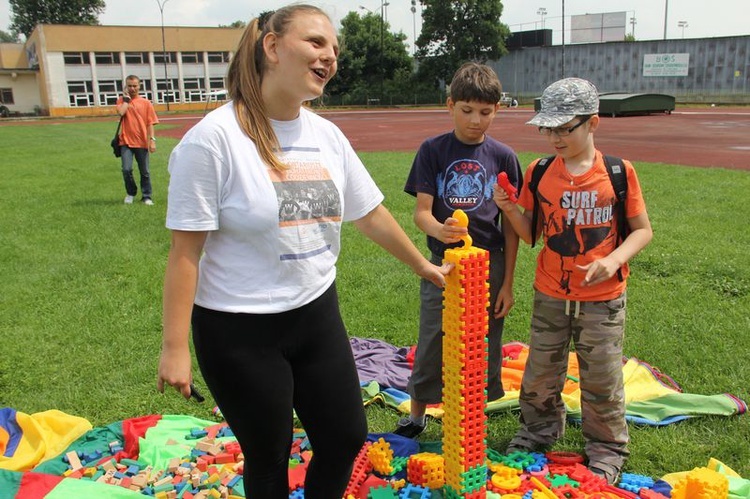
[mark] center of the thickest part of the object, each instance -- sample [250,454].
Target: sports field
[81,273]
[710,137]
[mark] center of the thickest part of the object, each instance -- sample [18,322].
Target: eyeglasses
[562,131]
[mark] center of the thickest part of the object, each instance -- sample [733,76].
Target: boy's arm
[604,268]
[520,221]
[448,232]
[505,299]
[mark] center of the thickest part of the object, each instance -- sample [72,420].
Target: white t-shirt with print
[273,238]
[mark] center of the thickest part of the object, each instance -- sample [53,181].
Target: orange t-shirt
[140,114]
[579,226]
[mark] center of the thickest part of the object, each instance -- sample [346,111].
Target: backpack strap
[619,180]
[536,177]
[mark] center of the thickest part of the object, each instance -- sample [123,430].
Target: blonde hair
[245,76]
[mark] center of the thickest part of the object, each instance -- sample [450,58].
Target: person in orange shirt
[579,293]
[137,138]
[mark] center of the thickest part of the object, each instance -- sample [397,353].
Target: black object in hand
[196,394]
[126,99]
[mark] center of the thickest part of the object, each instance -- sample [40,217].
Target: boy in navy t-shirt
[455,170]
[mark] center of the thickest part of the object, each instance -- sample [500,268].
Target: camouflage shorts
[596,330]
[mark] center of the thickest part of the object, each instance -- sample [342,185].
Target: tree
[236,24]
[26,14]
[370,57]
[7,37]
[456,31]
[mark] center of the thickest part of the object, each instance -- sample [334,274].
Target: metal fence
[718,69]
[389,98]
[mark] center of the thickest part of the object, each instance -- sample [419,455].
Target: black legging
[260,367]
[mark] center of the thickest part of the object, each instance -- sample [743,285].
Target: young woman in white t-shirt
[257,195]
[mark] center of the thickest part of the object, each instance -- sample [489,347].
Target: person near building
[137,139]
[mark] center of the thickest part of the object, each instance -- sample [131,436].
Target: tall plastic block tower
[465,323]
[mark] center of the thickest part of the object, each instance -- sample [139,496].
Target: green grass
[81,276]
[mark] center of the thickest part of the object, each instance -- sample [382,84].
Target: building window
[172,93]
[193,89]
[107,57]
[216,83]
[76,58]
[192,57]
[146,90]
[159,57]
[81,93]
[218,57]
[109,91]
[136,57]
[6,96]
[217,89]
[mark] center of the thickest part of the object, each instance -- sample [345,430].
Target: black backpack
[618,177]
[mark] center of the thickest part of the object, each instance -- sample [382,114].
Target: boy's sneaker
[148,202]
[129,199]
[408,428]
[609,473]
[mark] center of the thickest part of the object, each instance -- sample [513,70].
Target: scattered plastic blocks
[426,469]
[414,492]
[702,483]
[634,483]
[384,492]
[361,468]
[381,456]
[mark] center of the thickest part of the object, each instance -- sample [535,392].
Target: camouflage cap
[564,100]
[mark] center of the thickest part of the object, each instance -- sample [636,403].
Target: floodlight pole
[541,12]
[164,49]
[666,12]
[683,25]
[383,12]
[563,38]
[414,26]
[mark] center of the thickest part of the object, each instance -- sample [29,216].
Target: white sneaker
[129,199]
[148,202]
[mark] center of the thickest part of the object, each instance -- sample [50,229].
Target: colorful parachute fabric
[36,459]
[151,444]
[652,398]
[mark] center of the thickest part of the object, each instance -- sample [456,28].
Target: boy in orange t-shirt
[579,295]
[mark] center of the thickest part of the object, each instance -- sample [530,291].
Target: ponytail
[243,81]
[245,76]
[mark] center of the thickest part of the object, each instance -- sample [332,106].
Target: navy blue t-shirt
[459,175]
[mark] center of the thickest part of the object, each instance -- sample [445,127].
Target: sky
[702,19]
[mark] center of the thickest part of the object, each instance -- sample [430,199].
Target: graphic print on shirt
[309,205]
[464,185]
[577,223]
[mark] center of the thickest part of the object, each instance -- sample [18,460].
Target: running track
[699,137]
[704,137]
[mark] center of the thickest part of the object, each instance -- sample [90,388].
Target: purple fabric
[379,361]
